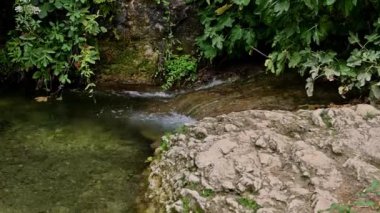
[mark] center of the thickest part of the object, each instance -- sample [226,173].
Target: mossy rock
[123,63]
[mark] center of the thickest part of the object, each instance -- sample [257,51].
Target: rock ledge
[284,161]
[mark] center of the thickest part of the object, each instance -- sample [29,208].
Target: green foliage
[189,206]
[332,40]
[55,39]
[207,193]
[165,142]
[374,188]
[183,129]
[340,208]
[248,203]
[326,119]
[204,192]
[178,68]
[175,68]
[186,204]
[368,199]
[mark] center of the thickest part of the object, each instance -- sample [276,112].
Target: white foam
[136,94]
[167,121]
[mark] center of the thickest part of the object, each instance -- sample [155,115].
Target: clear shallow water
[81,156]
[75,155]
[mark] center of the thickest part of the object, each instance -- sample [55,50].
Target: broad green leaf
[282,6]
[223,22]
[37,75]
[250,40]
[373,37]
[217,42]
[236,33]
[294,60]
[353,38]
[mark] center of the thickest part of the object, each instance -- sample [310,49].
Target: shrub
[336,40]
[55,39]
[179,68]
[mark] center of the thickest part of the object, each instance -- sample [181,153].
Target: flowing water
[78,155]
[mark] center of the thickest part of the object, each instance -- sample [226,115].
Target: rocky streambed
[268,161]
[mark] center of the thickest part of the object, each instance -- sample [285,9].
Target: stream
[88,155]
[75,155]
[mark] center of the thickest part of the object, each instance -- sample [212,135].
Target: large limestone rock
[300,161]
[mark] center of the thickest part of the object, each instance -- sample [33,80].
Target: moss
[182,129]
[189,205]
[204,192]
[125,63]
[369,116]
[248,203]
[326,119]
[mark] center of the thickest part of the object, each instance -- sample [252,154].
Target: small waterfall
[137,94]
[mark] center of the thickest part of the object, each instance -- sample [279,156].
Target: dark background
[6,18]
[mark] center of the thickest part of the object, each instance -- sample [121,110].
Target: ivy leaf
[330,73]
[250,39]
[269,65]
[208,51]
[37,75]
[371,38]
[346,71]
[217,42]
[363,78]
[327,58]
[353,38]
[223,22]
[355,59]
[236,34]
[282,6]
[294,60]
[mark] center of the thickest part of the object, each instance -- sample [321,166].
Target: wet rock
[141,29]
[252,154]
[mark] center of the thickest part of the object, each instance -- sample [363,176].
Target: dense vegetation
[54,39]
[333,40]
[337,40]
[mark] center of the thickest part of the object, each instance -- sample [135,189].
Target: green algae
[126,63]
[62,157]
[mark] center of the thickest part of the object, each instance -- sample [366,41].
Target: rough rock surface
[142,30]
[300,161]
